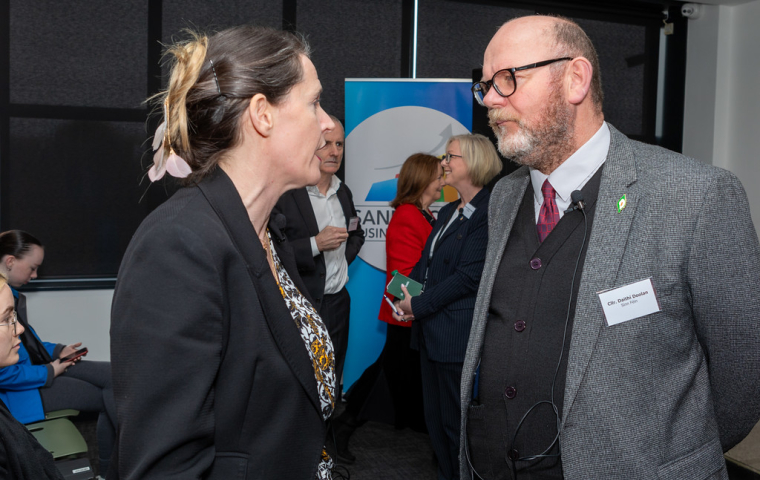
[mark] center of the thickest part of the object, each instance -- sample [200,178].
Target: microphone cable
[577,199]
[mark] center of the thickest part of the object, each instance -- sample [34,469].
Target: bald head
[541,37]
[543,106]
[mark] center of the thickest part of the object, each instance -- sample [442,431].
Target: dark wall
[74,75]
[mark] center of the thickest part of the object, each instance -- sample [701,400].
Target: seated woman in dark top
[21,456]
[40,381]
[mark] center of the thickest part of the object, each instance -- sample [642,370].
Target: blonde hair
[3,280]
[189,57]
[479,155]
[211,83]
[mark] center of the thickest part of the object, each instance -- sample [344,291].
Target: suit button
[520,325]
[459,237]
[322,275]
[446,261]
[513,454]
[510,392]
[535,263]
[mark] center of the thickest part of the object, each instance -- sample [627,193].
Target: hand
[330,238]
[69,349]
[60,367]
[404,307]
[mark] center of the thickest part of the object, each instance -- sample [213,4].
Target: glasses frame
[447,157]
[484,87]
[14,322]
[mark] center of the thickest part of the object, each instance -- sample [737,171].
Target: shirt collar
[14,291]
[332,190]
[574,172]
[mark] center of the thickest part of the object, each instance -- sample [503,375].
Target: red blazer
[406,236]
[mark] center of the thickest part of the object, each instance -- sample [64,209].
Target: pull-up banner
[387,120]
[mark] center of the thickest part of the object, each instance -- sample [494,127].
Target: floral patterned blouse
[318,344]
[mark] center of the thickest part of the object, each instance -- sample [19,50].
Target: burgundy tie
[549,214]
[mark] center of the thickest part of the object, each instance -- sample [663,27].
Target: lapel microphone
[577,202]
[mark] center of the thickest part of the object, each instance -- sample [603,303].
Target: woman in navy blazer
[450,269]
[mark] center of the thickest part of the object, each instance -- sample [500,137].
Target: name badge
[353,224]
[468,210]
[630,301]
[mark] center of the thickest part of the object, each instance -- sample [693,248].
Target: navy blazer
[443,312]
[301,225]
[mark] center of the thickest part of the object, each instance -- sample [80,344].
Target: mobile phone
[79,353]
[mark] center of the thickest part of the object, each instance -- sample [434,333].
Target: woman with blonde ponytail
[222,368]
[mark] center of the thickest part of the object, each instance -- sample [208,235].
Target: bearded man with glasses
[608,327]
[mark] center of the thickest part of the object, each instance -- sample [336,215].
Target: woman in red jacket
[419,185]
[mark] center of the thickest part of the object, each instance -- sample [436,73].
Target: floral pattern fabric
[318,344]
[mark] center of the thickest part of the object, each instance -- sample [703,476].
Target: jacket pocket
[705,462]
[477,448]
[228,466]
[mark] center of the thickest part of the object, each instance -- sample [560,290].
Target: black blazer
[211,377]
[443,312]
[301,225]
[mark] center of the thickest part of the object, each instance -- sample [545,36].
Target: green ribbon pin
[622,203]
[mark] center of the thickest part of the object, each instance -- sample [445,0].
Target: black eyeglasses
[504,80]
[447,157]
[11,320]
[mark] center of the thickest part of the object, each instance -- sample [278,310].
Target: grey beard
[547,143]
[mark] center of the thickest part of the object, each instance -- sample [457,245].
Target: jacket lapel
[224,199]
[607,245]
[307,212]
[480,201]
[345,203]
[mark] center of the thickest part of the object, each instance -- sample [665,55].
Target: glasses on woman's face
[504,81]
[10,321]
[447,158]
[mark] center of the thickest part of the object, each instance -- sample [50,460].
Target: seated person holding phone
[50,376]
[21,455]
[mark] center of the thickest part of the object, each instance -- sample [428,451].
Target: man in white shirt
[615,333]
[324,231]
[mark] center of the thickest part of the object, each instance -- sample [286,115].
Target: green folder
[394,286]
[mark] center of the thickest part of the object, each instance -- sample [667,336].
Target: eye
[339,144]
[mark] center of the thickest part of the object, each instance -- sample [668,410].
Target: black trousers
[335,311]
[399,365]
[440,393]
[86,386]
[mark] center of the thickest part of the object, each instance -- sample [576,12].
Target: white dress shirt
[329,212]
[574,172]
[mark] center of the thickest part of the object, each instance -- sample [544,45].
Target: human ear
[578,78]
[8,261]
[261,115]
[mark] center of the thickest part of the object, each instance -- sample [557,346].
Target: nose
[19,328]
[324,120]
[332,149]
[34,275]
[493,99]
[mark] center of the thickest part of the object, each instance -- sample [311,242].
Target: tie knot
[547,190]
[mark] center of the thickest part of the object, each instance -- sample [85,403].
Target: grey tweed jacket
[661,396]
